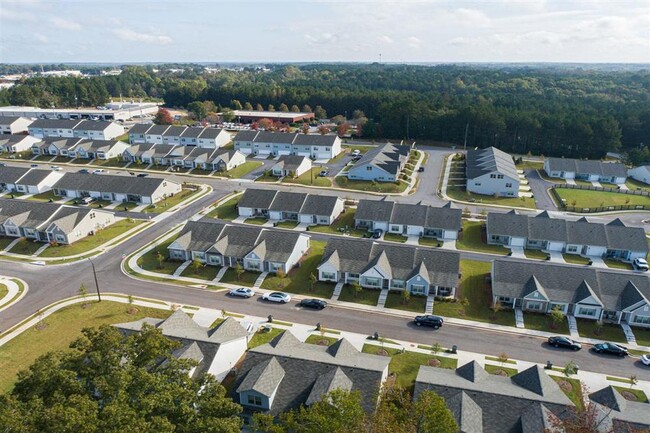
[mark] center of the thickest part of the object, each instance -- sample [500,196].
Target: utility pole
[99,296]
[465,143]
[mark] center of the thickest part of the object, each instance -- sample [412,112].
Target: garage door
[323,155]
[284,152]
[307,154]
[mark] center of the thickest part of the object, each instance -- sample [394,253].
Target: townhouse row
[266,143]
[383,163]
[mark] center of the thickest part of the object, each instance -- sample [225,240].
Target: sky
[115,31]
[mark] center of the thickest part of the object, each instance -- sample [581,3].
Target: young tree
[312,280]
[259,107]
[235,104]
[294,109]
[503,358]
[431,415]
[196,265]
[60,390]
[570,368]
[227,115]
[342,129]
[557,315]
[83,292]
[338,412]
[305,128]
[323,130]
[633,380]
[436,348]
[248,106]
[320,112]
[306,109]
[239,270]
[356,288]
[265,123]
[271,108]
[280,273]
[163,117]
[284,108]
[406,296]
[161,258]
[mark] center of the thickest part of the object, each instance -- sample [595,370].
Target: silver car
[280,297]
[242,292]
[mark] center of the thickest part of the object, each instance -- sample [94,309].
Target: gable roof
[315,139]
[54,124]
[581,166]
[34,176]
[198,235]
[92,125]
[288,201]
[290,162]
[623,415]
[388,157]
[210,133]
[11,174]
[490,160]
[158,129]
[257,198]
[298,202]
[140,128]
[445,217]
[41,215]
[264,378]
[110,183]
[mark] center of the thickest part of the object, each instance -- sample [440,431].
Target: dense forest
[572,112]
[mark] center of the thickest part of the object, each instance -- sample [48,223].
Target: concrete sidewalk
[12,290]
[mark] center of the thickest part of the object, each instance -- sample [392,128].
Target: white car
[645,359]
[356,152]
[99,171]
[242,292]
[55,167]
[280,297]
[640,264]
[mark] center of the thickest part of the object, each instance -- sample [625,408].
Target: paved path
[12,291]
[428,309]
[260,280]
[382,298]
[337,291]
[220,274]
[573,327]
[519,318]
[179,270]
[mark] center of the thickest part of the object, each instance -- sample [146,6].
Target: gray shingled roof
[257,198]
[388,157]
[315,140]
[246,135]
[333,379]
[580,166]
[110,183]
[140,149]
[288,201]
[290,162]
[274,137]
[192,132]
[34,176]
[62,143]
[624,414]
[92,125]
[614,235]
[444,217]
[263,378]
[41,215]
[570,284]
[210,133]
[8,120]
[374,210]
[54,124]
[322,205]
[357,256]
[140,128]
[309,204]
[174,131]
[199,235]
[10,174]
[11,139]
[158,129]
[484,161]
[468,414]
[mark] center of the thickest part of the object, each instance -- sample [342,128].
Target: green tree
[248,106]
[259,107]
[284,108]
[196,265]
[161,259]
[312,280]
[320,112]
[570,368]
[198,110]
[436,348]
[271,108]
[431,414]
[239,270]
[406,296]
[227,115]
[306,109]
[356,288]
[557,315]
[108,383]
[295,109]
[337,412]
[235,104]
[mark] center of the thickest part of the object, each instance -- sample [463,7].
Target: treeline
[574,113]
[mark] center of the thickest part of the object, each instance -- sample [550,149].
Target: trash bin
[375,336]
[454,348]
[318,326]
[549,365]
[270,318]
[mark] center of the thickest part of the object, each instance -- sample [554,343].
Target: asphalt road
[52,283]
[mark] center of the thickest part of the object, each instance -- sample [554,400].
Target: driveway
[539,186]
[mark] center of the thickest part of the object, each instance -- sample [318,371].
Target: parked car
[88,200]
[564,342]
[356,152]
[324,172]
[242,292]
[316,304]
[420,169]
[55,167]
[2,164]
[142,175]
[429,320]
[99,171]
[377,233]
[84,171]
[280,297]
[645,359]
[611,349]
[33,165]
[640,264]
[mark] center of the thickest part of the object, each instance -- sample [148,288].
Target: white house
[154,134]
[53,128]
[587,170]
[224,160]
[491,172]
[98,149]
[98,130]
[381,164]
[291,165]
[17,143]
[36,181]
[314,146]
[641,173]
[14,125]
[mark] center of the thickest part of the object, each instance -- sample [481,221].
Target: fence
[604,189]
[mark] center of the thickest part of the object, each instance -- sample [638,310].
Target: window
[369,168]
[60,238]
[583,311]
[398,284]
[353,276]
[255,400]
[643,320]
[418,289]
[537,306]
[394,228]
[508,185]
[499,176]
[12,231]
[493,176]
[572,249]
[328,275]
[477,183]
[505,299]
[372,282]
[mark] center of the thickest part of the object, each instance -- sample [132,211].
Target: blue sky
[44,31]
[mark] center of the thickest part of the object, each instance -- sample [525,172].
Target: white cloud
[12,15]
[41,38]
[386,39]
[472,18]
[64,24]
[322,39]
[147,38]
[413,42]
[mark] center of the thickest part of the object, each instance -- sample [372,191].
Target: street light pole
[99,296]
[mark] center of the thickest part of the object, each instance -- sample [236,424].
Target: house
[50,222]
[172,135]
[14,125]
[10,175]
[216,349]
[291,165]
[254,248]
[155,134]
[158,155]
[145,190]
[295,206]
[224,160]
[176,157]
[381,164]
[617,414]
[98,149]
[97,130]
[213,138]
[57,146]
[587,170]
[421,271]
[136,152]
[42,128]
[138,133]
[442,223]
[641,173]
[36,181]
[17,143]
[285,374]
[613,240]
[314,146]
[491,172]
[528,402]
[582,292]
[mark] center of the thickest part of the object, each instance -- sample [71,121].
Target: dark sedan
[564,342]
[429,320]
[316,304]
[611,349]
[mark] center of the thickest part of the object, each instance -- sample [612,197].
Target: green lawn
[343,224]
[407,364]
[26,247]
[642,336]
[576,259]
[366,297]
[3,291]
[60,159]
[494,369]
[80,161]
[476,289]
[415,304]
[369,186]
[5,241]
[246,279]
[286,224]
[149,260]
[473,238]
[62,328]
[113,162]
[156,167]
[457,192]
[44,158]
[256,221]
[45,196]
[543,322]
[583,198]
[395,237]
[530,165]
[90,242]
[535,254]
[573,390]
[243,169]
[98,204]
[321,339]
[609,332]
[204,272]
[617,264]
[310,178]
[430,242]
[227,210]
[297,281]
[172,201]
[263,337]
[267,177]
[635,185]
[637,393]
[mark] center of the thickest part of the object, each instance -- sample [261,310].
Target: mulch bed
[433,362]
[628,396]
